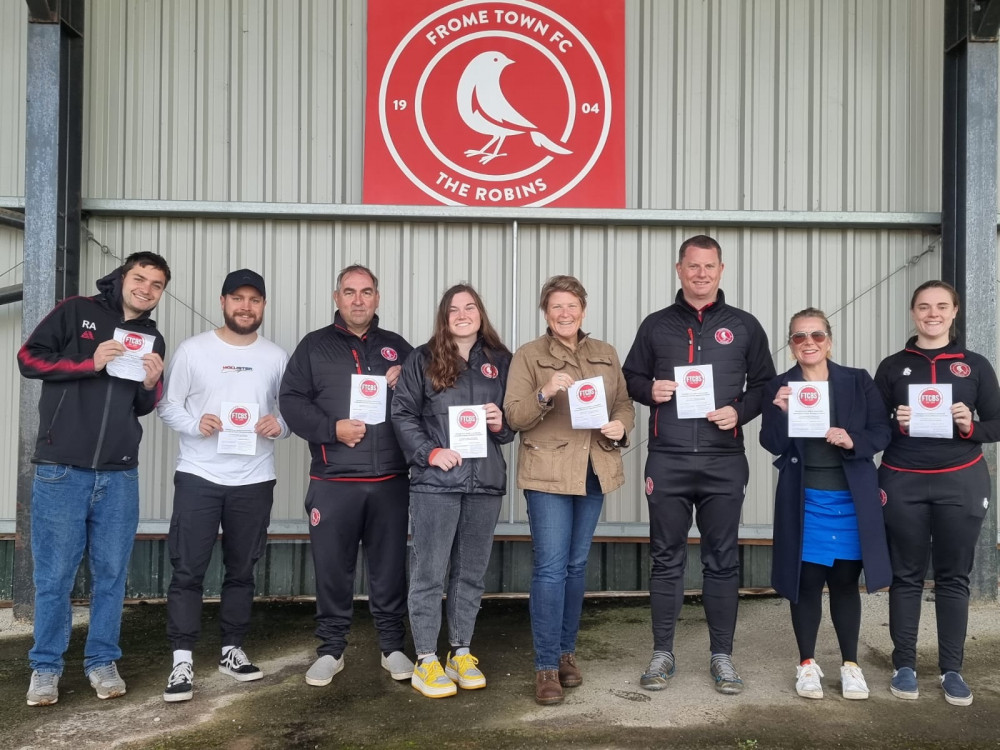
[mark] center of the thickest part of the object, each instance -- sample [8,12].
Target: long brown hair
[446,363]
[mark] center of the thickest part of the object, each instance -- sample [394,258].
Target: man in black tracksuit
[358,488]
[697,463]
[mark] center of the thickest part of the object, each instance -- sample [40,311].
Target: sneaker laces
[724,669]
[812,670]
[660,663]
[183,672]
[107,673]
[236,657]
[465,662]
[45,680]
[433,671]
[854,673]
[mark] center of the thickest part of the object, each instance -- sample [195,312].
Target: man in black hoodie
[101,362]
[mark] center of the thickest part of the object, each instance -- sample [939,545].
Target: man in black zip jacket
[358,486]
[697,464]
[85,493]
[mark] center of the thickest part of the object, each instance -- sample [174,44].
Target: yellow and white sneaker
[462,669]
[431,681]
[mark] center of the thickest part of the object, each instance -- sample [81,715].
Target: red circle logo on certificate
[809,396]
[694,380]
[467,419]
[587,393]
[239,416]
[930,398]
[369,388]
[133,342]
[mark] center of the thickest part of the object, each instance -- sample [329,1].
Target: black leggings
[845,606]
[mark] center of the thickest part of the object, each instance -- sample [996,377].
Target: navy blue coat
[860,411]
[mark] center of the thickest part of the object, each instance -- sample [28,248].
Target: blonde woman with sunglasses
[827,510]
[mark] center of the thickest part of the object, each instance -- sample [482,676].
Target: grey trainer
[727,679]
[661,668]
[323,669]
[43,689]
[107,682]
[398,665]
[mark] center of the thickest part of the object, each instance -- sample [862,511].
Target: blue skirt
[830,527]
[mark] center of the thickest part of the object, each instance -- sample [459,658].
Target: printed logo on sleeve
[314,517]
[649,485]
[882,496]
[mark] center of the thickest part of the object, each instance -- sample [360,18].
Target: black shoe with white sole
[180,684]
[238,666]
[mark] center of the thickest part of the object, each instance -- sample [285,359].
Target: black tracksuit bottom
[343,514]
[713,487]
[948,508]
[200,507]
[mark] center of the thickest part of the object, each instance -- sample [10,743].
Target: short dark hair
[935,284]
[699,240]
[143,259]
[356,268]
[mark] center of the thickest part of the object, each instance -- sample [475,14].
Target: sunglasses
[799,337]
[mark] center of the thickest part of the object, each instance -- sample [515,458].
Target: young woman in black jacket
[454,501]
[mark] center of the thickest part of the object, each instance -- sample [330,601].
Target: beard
[241,330]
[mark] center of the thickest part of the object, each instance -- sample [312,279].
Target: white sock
[182,656]
[426,658]
[461,651]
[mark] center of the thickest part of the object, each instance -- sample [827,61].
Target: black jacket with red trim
[316,393]
[729,339]
[87,419]
[420,417]
[973,382]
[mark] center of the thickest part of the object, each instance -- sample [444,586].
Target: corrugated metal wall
[766,105]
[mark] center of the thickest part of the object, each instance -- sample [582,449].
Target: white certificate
[930,411]
[588,404]
[368,398]
[238,421]
[467,431]
[695,394]
[809,409]
[129,365]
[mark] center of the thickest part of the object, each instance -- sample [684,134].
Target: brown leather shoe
[548,691]
[569,673]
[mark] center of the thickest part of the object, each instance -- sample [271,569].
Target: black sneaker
[180,683]
[238,666]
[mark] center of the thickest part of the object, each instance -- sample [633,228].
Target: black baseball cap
[243,277]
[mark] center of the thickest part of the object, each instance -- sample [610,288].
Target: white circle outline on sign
[394,58]
[418,107]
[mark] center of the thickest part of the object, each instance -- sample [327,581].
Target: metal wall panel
[13,86]
[11,257]
[765,104]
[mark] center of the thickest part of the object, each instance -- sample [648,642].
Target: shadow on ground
[364,707]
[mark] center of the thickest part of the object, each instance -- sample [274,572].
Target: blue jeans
[562,528]
[452,539]
[71,510]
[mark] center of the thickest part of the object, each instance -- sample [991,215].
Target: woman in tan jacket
[564,472]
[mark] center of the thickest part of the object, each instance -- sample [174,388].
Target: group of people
[378,473]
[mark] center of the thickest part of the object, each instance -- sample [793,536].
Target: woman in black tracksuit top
[454,501]
[935,487]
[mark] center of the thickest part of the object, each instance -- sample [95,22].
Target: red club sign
[930,398]
[496,103]
[587,393]
[467,419]
[369,388]
[133,341]
[809,396]
[239,416]
[694,379]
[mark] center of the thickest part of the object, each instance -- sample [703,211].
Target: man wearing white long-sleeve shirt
[222,398]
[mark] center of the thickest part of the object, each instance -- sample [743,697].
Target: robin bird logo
[484,108]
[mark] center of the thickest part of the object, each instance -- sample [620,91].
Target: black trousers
[841,579]
[713,487]
[200,507]
[342,515]
[948,508]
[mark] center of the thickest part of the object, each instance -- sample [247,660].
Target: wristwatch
[541,399]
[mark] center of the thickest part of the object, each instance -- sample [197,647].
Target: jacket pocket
[551,363]
[543,460]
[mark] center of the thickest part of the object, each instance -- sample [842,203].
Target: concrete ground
[363,707]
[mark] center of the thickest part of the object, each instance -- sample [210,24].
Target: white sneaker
[852,683]
[807,682]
